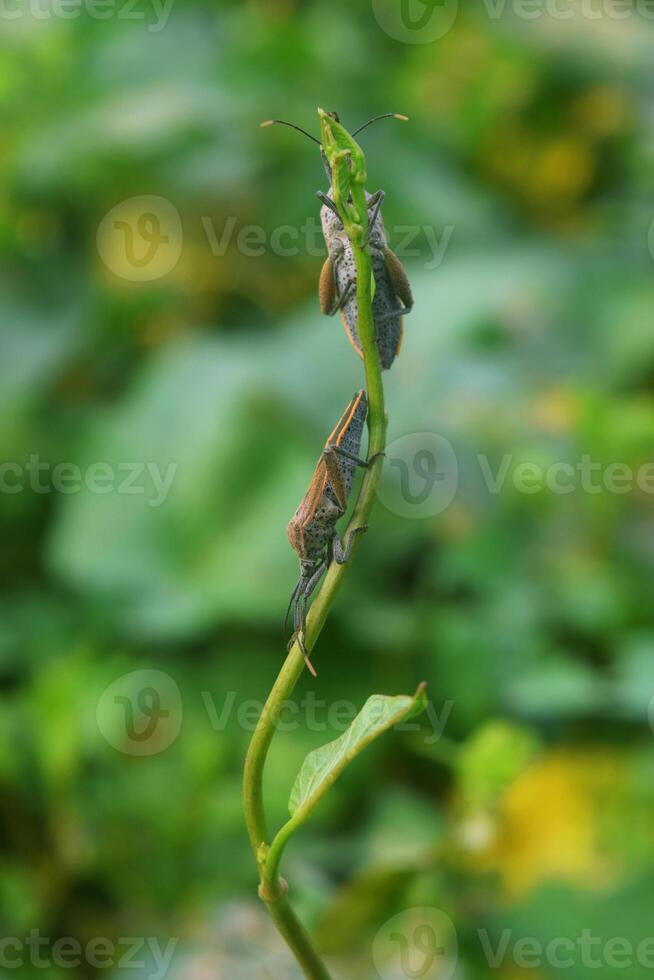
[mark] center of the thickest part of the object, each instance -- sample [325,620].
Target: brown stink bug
[312,529]
[392,298]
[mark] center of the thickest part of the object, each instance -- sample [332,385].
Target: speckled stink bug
[312,530]
[392,298]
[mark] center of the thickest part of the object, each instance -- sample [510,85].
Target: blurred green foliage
[530,614]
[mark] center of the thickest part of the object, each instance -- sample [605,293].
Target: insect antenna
[294,596]
[282,122]
[386,115]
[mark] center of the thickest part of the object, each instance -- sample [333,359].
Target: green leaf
[323,766]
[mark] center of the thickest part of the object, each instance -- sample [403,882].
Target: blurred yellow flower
[555,410]
[562,170]
[603,111]
[549,824]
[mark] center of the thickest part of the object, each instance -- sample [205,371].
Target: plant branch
[273,888]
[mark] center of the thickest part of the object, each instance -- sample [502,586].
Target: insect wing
[345,273]
[389,324]
[399,278]
[347,435]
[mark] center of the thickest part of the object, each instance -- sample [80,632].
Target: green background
[529,614]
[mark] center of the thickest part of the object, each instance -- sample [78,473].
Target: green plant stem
[292,931]
[270,871]
[273,888]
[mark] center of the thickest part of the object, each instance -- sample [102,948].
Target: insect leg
[300,620]
[342,553]
[309,589]
[340,296]
[298,634]
[346,295]
[304,652]
[390,316]
[365,463]
[339,252]
[334,471]
[375,204]
[330,297]
[293,598]
[327,201]
[373,200]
